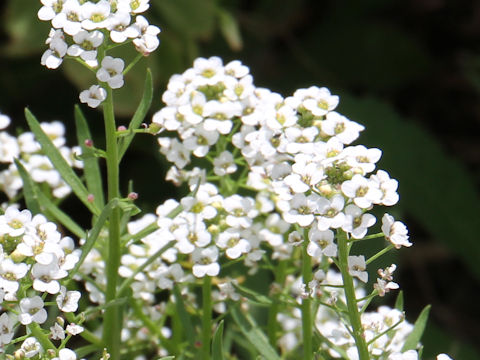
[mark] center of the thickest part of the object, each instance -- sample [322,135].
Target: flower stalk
[113,318]
[352,306]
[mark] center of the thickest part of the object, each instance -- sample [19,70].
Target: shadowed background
[407,70]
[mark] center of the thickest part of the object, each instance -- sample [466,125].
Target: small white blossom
[32,310]
[74,329]
[111,72]
[67,301]
[395,231]
[357,267]
[94,96]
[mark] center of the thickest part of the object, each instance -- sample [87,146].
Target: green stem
[380,253]
[207,317]
[307,323]
[272,324]
[353,313]
[112,325]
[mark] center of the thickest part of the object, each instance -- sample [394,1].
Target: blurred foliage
[408,70]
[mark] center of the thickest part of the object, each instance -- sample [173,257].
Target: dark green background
[408,70]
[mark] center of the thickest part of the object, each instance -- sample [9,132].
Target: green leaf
[399,301]
[31,199]
[59,162]
[93,235]
[254,296]
[414,337]
[229,29]
[38,202]
[139,115]
[253,333]
[217,343]
[91,168]
[183,315]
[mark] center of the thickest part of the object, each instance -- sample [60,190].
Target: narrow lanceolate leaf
[217,343]
[184,316]
[93,234]
[139,115]
[91,168]
[254,335]
[59,162]
[31,199]
[38,202]
[254,296]
[399,301]
[230,30]
[414,338]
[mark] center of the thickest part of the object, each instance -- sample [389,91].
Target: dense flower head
[78,29]
[34,259]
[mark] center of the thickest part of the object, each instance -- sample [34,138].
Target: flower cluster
[29,152]
[86,29]
[34,258]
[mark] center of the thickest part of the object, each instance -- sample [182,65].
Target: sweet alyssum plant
[262,257]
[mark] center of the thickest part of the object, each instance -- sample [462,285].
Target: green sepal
[59,162]
[413,339]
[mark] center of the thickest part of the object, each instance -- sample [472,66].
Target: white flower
[86,44]
[96,15]
[321,242]
[234,243]
[14,222]
[148,40]
[50,9]
[443,357]
[69,19]
[357,222]
[357,267]
[57,332]
[66,354]
[120,29]
[361,157]
[205,262]
[330,212]
[67,301]
[199,140]
[364,192]
[30,347]
[388,187]
[241,211]
[395,231]
[6,329]
[318,100]
[301,209]
[93,96]
[408,355]
[224,164]
[53,57]
[74,329]
[341,128]
[32,311]
[10,273]
[4,121]
[111,72]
